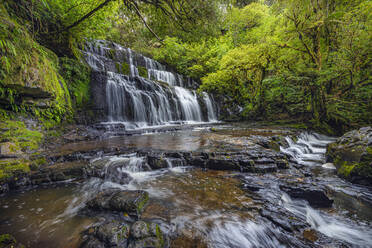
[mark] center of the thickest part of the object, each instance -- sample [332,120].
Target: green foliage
[294,59]
[33,74]
[194,59]
[77,76]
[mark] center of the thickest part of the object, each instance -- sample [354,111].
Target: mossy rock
[146,234]
[13,168]
[30,70]
[111,54]
[8,241]
[142,71]
[352,156]
[125,68]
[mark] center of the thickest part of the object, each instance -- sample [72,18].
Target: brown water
[49,217]
[207,208]
[40,217]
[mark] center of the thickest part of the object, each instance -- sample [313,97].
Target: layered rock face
[352,155]
[135,90]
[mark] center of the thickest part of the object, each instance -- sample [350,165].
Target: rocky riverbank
[221,186]
[352,155]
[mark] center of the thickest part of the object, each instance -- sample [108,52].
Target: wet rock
[113,233]
[60,172]
[109,234]
[8,241]
[281,217]
[253,187]
[129,202]
[150,242]
[101,201]
[10,150]
[265,168]
[157,162]
[4,187]
[145,234]
[197,162]
[92,243]
[222,164]
[352,156]
[282,164]
[314,195]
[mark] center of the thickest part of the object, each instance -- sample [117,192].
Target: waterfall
[138,100]
[189,104]
[308,149]
[211,112]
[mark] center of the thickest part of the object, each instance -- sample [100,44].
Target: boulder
[108,234]
[314,195]
[127,201]
[157,162]
[352,156]
[92,242]
[145,234]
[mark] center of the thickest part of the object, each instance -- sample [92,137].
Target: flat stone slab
[131,202]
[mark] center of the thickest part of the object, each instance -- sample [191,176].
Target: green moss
[369,150]
[142,71]
[111,53]
[159,236]
[164,84]
[118,67]
[6,239]
[142,203]
[346,169]
[76,74]
[36,163]
[11,168]
[21,137]
[27,68]
[125,68]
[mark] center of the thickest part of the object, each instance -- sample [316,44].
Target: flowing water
[160,97]
[208,206]
[195,207]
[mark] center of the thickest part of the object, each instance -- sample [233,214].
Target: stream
[199,207]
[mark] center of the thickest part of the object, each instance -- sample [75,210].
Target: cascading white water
[235,234]
[189,104]
[211,112]
[133,68]
[352,233]
[138,102]
[308,149]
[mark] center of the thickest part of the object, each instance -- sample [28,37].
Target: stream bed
[301,204]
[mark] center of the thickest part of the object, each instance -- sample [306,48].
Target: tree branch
[144,21]
[106,2]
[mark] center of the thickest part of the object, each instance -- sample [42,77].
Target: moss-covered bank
[352,155]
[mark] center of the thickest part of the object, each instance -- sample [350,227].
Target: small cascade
[330,225]
[189,104]
[308,149]
[211,111]
[133,68]
[249,234]
[137,101]
[120,169]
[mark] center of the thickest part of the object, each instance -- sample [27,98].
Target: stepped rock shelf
[138,92]
[222,186]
